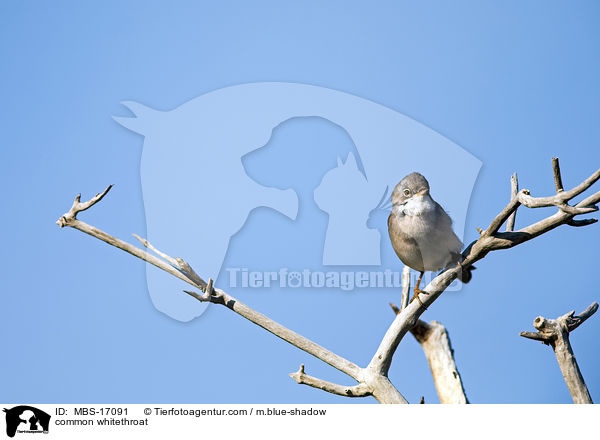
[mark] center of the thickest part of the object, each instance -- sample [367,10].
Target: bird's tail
[466,275]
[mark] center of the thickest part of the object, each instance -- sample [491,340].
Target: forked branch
[372,380]
[490,240]
[555,332]
[435,342]
[360,390]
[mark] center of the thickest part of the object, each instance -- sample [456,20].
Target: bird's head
[412,185]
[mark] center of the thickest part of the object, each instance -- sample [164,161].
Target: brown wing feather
[405,247]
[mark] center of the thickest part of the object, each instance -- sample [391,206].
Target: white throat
[416,205]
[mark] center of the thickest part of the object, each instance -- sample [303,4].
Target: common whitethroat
[421,231]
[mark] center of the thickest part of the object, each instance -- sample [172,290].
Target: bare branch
[395,308]
[69,219]
[557,178]
[575,321]
[209,294]
[584,222]
[555,332]
[220,297]
[535,336]
[162,255]
[80,206]
[435,341]
[510,209]
[187,270]
[575,210]
[178,263]
[215,296]
[405,287]
[562,197]
[591,200]
[514,189]
[360,390]
[374,376]
[490,240]
[405,320]
[380,387]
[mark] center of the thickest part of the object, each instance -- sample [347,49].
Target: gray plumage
[420,230]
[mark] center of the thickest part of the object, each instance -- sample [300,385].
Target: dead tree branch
[555,332]
[70,219]
[514,189]
[405,287]
[435,341]
[360,390]
[373,379]
[490,240]
[383,390]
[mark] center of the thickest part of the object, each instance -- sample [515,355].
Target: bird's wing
[405,247]
[444,225]
[444,219]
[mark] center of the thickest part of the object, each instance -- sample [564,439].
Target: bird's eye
[407,192]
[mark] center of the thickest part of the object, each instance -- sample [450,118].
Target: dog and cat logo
[26,419]
[319,163]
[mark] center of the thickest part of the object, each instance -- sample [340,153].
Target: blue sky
[513,83]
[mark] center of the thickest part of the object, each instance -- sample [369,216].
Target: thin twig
[220,297]
[79,206]
[557,177]
[178,263]
[499,220]
[514,189]
[360,390]
[216,296]
[147,244]
[575,321]
[405,287]
[70,219]
[374,376]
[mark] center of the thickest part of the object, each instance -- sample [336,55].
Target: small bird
[421,231]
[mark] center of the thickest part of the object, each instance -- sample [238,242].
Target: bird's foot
[416,296]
